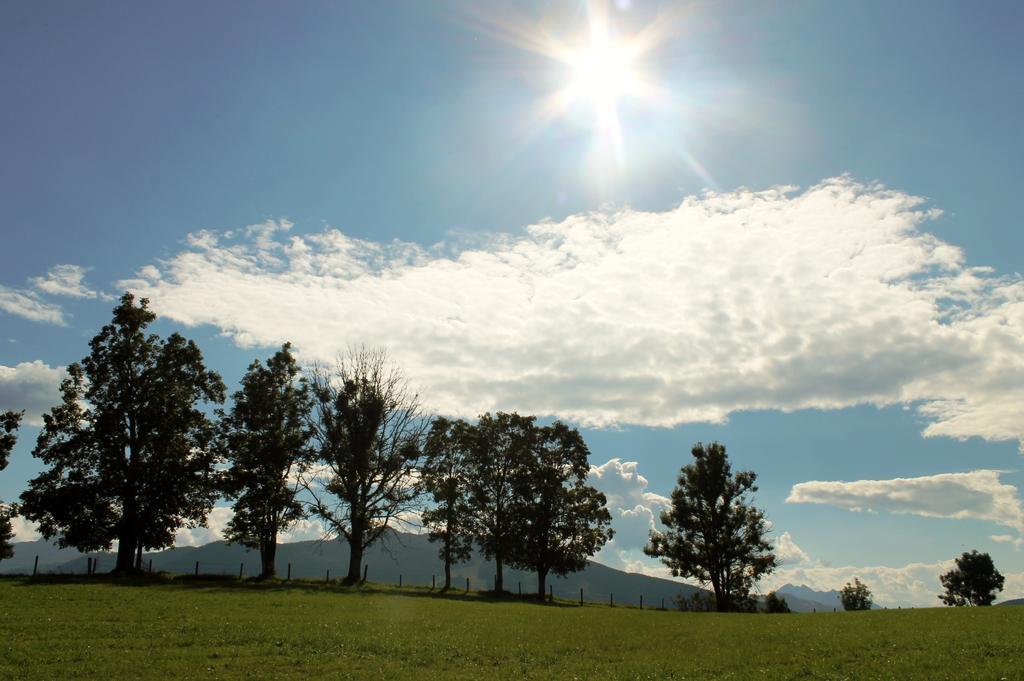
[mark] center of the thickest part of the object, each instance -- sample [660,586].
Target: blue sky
[394,155]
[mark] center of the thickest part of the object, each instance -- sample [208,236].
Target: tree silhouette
[714,535]
[265,439]
[498,452]
[444,477]
[9,422]
[561,520]
[855,596]
[368,429]
[128,450]
[775,604]
[974,580]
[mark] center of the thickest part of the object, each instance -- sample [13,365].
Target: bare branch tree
[369,427]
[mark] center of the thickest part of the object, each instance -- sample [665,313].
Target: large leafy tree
[445,477]
[714,533]
[265,438]
[129,452]
[368,430]
[974,581]
[562,521]
[9,422]
[498,452]
[855,595]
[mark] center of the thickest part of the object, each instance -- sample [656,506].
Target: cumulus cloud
[65,280]
[787,551]
[218,520]
[977,495]
[24,530]
[635,511]
[778,299]
[28,305]
[32,387]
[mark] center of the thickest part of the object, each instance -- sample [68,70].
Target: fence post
[467,584]
[399,580]
[88,565]
[365,569]
[328,577]
[433,582]
[611,600]
[289,570]
[35,568]
[551,593]
[662,602]
[150,566]
[581,595]
[520,589]
[641,601]
[241,568]
[495,583]
[197,568]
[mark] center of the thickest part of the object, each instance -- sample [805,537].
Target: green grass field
[100,628]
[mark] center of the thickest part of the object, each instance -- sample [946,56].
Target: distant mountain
[820,601]
[1013,601]
[409,556]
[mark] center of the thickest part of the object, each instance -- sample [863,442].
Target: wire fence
[204,568]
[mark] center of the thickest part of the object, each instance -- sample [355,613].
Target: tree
[444,477]
[561,520]
[128,450]
[9,422]
[368,428]
[498,451]
[776,604]
[974,581]
[714,535]
[855,596]
[265,439]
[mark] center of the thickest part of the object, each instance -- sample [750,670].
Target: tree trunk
[126,543]
[542,578]
[447,565]
[721,602]
[355,562]
[499,580]
[268,553]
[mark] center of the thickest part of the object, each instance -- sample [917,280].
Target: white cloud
[28,305]
[635,511]
[915,584]
[977,495]
[216,521]
[24,530]
[220,516]
[787,551]
[65,280]
[746,300]
[30,386]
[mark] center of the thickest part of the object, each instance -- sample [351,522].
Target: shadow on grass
[230,583]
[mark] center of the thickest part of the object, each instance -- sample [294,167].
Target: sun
[603,73]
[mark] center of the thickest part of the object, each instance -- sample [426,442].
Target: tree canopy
[444,476]
[9,422]
[714,534]
[974,580]
[855,595]
[128,450]
[561,520]
[368,429]
[497,454]
[265,439]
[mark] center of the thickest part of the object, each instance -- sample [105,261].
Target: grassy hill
[184,628]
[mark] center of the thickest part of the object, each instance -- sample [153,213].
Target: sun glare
[603,73]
